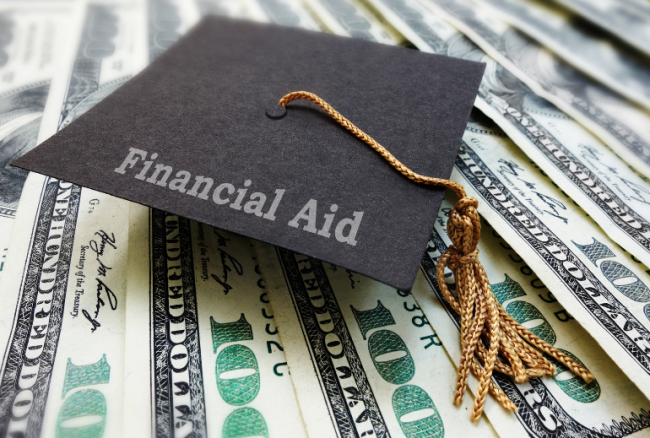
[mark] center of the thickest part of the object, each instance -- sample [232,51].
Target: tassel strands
[491,340]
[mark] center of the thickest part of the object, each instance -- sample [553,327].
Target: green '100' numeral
[415,411]
[243,389]
[244,422]
[227,332]
[238,378]
[411,403]
[398,369]
[87,403]
[373,318]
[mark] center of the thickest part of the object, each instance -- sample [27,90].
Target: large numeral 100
[83,413]
[415,411]
[238,378]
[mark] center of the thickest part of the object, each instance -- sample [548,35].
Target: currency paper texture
[164,22]
[64,291]
[354,20]
[621,125]
[629,20]
[580,44]
[34,36]
[227,8]
[283,12]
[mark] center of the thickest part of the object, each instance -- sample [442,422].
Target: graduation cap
[191,135]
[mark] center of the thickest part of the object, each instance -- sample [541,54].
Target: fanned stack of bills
[105,334]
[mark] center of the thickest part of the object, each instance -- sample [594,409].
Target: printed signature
[229,264]
[104,293]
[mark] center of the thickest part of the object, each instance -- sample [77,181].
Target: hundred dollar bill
[204,357]
[600,285]
[353,19]
[32,33]
[228,8]
[622,125]
[601,183]
[627,19]
[363,359]
[62,328]
[284,12]
[575,40]
[561,406]
[166,21]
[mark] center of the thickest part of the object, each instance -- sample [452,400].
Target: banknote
[363,359]
[62,328]
[345,18]
[284,12]
[561,406]
[166,21]
[629,20]
[227,8]
[579,43]
[32,33]
[204,356]
[622,125]
[600,182]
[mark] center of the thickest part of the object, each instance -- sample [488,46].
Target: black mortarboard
[190,135]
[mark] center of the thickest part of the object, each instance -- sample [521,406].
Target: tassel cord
[491,340]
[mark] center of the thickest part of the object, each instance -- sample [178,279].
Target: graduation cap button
[276,112]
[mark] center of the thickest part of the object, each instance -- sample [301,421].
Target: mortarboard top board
[190,135]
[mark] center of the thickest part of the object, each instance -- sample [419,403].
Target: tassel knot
[456,258]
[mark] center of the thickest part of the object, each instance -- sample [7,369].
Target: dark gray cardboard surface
[201,107]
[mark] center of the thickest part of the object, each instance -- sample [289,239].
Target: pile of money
[119,320]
